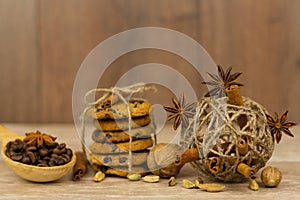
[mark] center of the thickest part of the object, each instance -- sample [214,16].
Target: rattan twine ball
[227,135]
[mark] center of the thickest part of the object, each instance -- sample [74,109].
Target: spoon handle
[7,135]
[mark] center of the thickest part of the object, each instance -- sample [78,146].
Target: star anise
[221,81]
[277,126]
[180,112]
[39,139]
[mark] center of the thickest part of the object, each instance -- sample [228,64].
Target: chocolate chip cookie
[123,136]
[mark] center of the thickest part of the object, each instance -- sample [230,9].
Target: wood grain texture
[173,14]
[20,61]
[285,158]
[258,39]
[44,42]
[69,31]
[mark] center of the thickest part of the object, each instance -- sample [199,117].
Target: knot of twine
[120,92]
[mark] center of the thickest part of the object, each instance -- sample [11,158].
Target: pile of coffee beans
[45,156]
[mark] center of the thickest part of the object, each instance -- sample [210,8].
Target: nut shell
[271,176]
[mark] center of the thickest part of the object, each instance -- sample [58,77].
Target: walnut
[271,176]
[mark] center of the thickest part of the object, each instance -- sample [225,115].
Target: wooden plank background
[44,42]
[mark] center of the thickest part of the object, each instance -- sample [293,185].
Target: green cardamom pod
[151,178]
[187,184]
[172,181]
[211,187]
[253,185]
[99,176]
[134,177]
[198,181]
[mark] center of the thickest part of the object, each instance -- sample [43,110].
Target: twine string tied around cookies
[120,92]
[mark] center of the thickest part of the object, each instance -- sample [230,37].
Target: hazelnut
[271,176]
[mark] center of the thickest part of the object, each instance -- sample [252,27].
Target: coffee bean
[69,152]
[54,155]
[37,156]
[62,145]
[8,145]
[19,143]
[17,157]
[51,163]
[63,150]
[56,151]
[25,145]
[59,161]
[43,152]
[32,157]
[14,147]
[26,160]
[45,156]
[66,158]
[31,148]
[42,165]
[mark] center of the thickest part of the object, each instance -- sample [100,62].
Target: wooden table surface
[285,157]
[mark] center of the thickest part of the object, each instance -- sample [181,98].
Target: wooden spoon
[31,172]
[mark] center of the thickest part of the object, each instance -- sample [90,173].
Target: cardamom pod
[134,177]
[172,181]
[151,178]
[99,176]
[198,181]
[253,185]
[211,187]
[188,184]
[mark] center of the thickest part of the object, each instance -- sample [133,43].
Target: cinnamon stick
[246,170]
[80,167]
[235,98]
[242,146]
[234,95]
[189,155]
[214,165]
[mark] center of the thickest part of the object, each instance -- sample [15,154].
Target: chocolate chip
[113,147]
[97,133]
[122,159]
[107,159]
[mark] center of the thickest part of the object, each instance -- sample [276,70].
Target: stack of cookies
[111,138]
